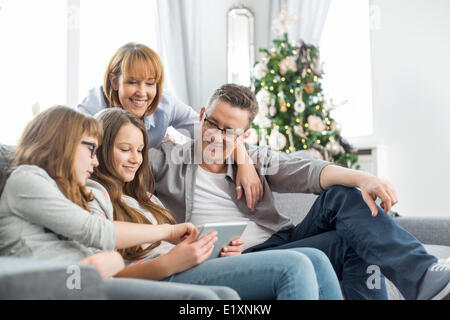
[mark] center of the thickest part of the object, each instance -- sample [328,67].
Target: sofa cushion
[294,205]
[27,278]
[4,154]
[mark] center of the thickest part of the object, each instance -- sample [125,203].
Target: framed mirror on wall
[240,45]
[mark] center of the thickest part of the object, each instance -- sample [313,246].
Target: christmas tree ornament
[262,121]
[263,109]
[287,64]
[282,23]
[263,97]
[303,72]
[309,88]
[252,137]
[260,70]
[272,111]
[317,67]
[263,137]
[315,123]
[299,105]
[298,130]
[277,140]
[291,141]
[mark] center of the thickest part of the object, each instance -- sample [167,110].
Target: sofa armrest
[428,230]
[27,278]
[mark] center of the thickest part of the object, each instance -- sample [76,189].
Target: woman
[45,213]
[122,181]
[134,80]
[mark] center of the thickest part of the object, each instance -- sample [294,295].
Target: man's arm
[371,186]
[287,173]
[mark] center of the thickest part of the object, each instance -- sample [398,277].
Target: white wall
[214,39]
[411,101]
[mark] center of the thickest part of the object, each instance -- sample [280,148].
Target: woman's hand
[234,248]
[248,179]
[179,232]
[190,252]
[108,263]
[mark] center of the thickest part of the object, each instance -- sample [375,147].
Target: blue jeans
[300,274]
[341,225]
[138,289]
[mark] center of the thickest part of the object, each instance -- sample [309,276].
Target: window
[345,51]
[106,25]
[37,69]
[33,38]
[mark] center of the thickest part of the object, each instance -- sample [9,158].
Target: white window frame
[361,140]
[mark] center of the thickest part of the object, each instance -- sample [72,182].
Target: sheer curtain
[313,14]
[179,44]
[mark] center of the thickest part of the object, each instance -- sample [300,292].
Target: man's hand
[234,248]
[373,188]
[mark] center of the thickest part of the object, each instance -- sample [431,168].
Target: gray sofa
[22,278]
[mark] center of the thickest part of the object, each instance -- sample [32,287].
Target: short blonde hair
[137,61]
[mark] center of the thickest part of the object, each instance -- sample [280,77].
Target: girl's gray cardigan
[37,220]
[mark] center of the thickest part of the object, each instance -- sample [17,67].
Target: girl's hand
[234,248]
[179,232]
[108,263]
[191,252]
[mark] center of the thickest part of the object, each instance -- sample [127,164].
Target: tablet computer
[226,231]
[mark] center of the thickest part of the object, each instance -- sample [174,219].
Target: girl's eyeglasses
[94,148]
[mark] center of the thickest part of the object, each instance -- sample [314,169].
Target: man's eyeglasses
[94,148]
[227,132]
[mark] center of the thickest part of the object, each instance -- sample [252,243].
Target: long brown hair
[138,61]
[49,141]
[106,174]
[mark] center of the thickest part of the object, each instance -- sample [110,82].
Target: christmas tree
[293,112]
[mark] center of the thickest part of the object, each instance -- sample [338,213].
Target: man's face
[216,144]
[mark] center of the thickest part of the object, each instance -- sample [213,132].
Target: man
[196,182]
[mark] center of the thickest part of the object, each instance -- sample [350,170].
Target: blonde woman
[45,212]
[134,80]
